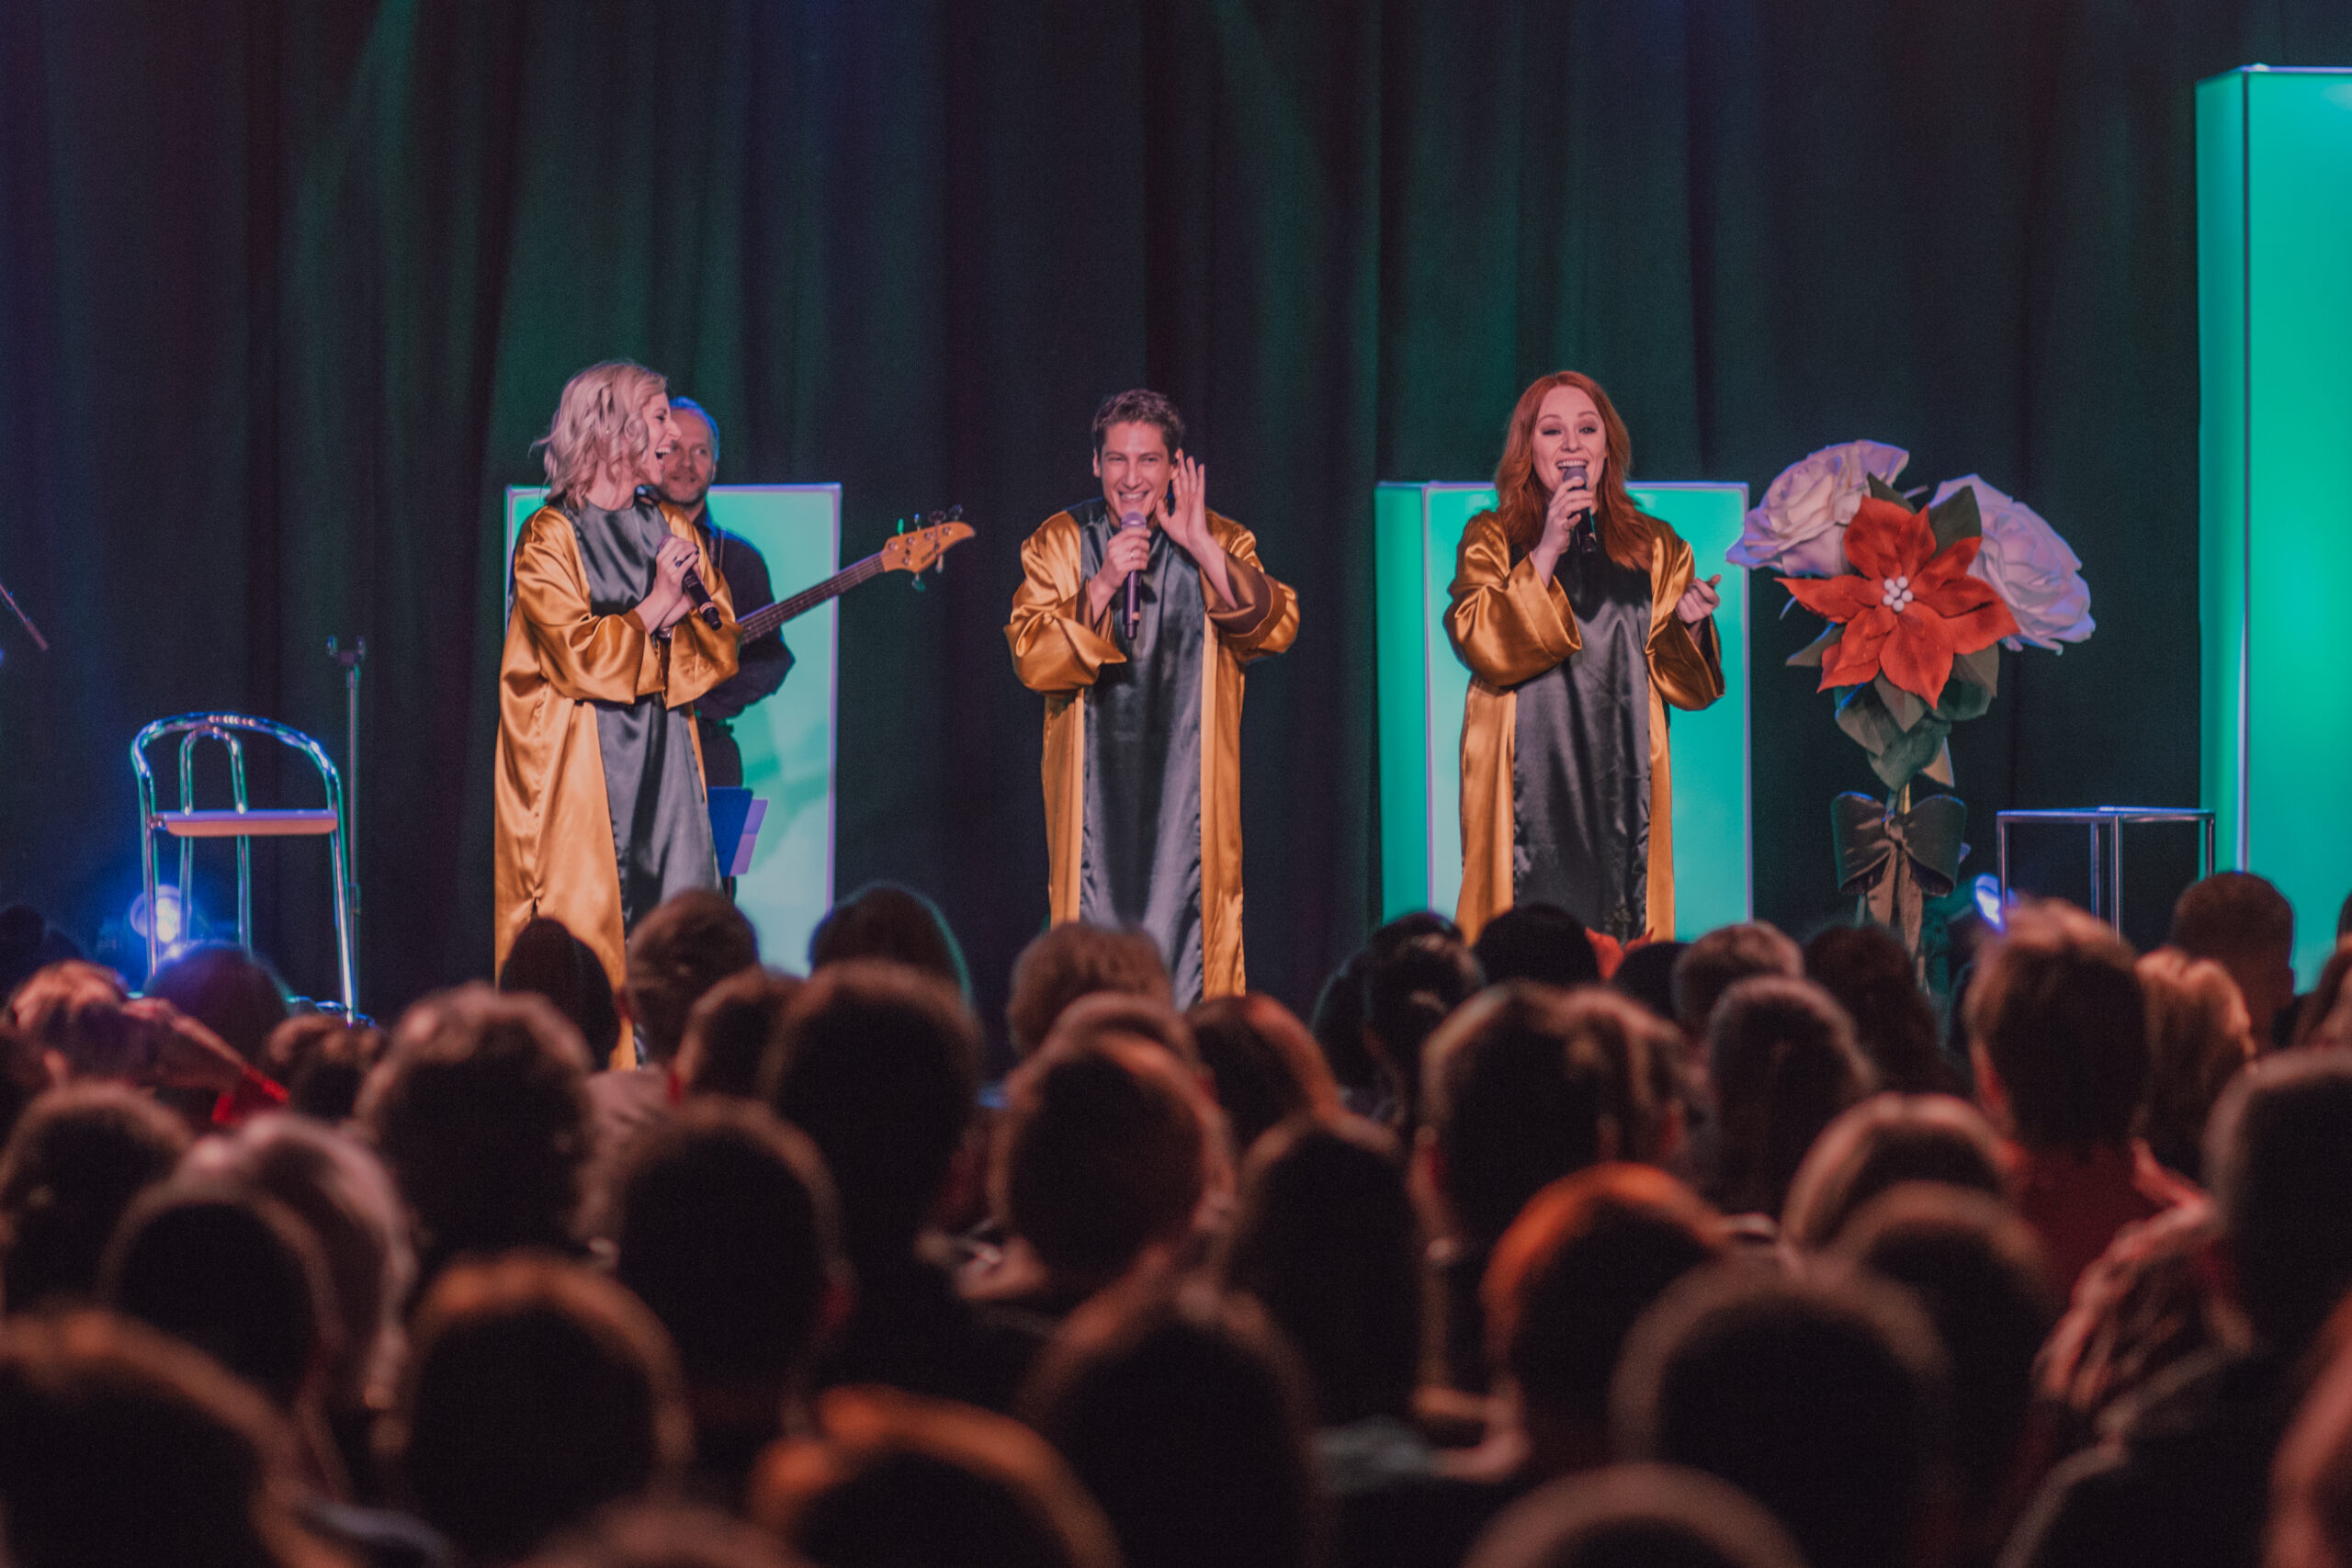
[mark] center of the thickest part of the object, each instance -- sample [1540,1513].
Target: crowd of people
[1530,1253]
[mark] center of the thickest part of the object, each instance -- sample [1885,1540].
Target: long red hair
[1520,498]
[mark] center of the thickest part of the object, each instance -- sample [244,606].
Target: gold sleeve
[1508,625]
[701,656]
[1686,662]
[1265,621]
[584,656]
[1054,648]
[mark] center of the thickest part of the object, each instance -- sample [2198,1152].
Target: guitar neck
[768,617]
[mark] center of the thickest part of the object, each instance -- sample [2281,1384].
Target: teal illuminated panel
[2274,215]
[1417,528]
[787,740]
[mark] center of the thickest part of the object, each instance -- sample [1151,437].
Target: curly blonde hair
[599,421]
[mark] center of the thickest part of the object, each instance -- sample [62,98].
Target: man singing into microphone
[1136,613]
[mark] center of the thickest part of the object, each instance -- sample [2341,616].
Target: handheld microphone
[1576,473]
[1131,520]
[699,597]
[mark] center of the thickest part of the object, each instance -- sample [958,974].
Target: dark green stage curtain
[287,289]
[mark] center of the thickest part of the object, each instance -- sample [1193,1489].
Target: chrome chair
[241,822]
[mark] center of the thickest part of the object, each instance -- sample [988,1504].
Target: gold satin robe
[1058,651]
[1508,627]
[553,827]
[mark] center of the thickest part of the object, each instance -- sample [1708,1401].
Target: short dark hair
[228,991]
[341,1190]
[1537,941]
[890,1476]
[727,1231]
[2232,912]
[1646,975]
[1139,406]
[1581,1263]
[537,1392]
[1866,968]
[1635,1515]
[235,1275]
[76,1160]
[878,1064]
[883,919]
[2278,1151]
[481,1111]
[1074,960]
[681,950]
[2058,1011]
[1325,1239]
[1980,1273]
[1515,1096]
[1826,1401]
[679,400]
[664,1535]
[1721,959]
[1783,1063]
[323,1058]
[121,1445]
[546,960]
[728,1031]
[1410,989]
[1105,1147]
[1262,1063]
[1881,1143]
[1187,1418]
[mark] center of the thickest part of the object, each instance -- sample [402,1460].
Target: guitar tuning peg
[918,582]
[937,518]
[956,513]
[902,526]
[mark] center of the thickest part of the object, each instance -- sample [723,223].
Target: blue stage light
[170,919]
[1988,900]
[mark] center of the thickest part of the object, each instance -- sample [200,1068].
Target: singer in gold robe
[1143,725]
[601,809]
[1581,621]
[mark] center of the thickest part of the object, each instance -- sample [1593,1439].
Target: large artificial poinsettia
[1908,607]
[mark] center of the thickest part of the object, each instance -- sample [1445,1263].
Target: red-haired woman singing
[1581,619]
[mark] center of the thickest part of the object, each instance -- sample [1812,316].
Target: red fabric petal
[1855,657]
[1917,658]
[1884,541]
[1836,598]
[1957,597]
[1950,565]
[1980,626]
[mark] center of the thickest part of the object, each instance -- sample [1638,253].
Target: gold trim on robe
[1058,651]
[552,828]
[1509,628]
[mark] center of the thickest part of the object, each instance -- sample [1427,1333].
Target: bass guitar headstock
[919,549]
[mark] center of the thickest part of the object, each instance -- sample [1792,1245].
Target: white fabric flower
[1800,529]
[2029,567]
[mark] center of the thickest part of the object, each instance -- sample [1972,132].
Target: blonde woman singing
[601,812]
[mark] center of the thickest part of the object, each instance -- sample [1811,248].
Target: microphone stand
[349,658]
[31,630]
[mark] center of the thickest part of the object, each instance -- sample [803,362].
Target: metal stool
[241,823]
[2107,889]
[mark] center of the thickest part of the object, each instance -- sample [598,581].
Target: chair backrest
[240,821]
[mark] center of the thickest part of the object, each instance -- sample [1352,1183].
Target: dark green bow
[1890,858]
[1868,837]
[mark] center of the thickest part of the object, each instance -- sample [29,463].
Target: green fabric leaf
[1962,701]
[1896,754]
[1982,668]
[1957,518]
[1883,490]
[1813,654]
[1905,707]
